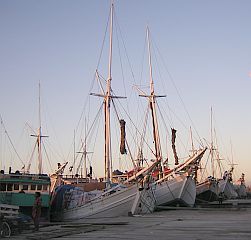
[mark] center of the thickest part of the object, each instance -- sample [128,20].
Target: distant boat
[207,190]
[240,187]
[226,185]
[178,188]
[18,188]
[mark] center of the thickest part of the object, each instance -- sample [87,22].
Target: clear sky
[205,45]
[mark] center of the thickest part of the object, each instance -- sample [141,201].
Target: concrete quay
[194,224]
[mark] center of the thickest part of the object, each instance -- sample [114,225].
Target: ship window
[39,187]
[33,187]
[3,187]
[9,187]
[16,186]
[45,187]
[25,187]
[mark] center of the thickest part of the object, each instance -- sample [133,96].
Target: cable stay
[8,136]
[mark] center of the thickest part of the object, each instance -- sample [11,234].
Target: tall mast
[85,170]
[107,101]
[152,103]
[74,149]
[191,136]
[39,136]
[232,157]
[150,62]
[212,145]
[39,133]
[84,154]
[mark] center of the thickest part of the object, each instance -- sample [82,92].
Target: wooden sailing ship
[240,187]
[226,186]
[134,196]
[207,189]
[18,188]
[175,186]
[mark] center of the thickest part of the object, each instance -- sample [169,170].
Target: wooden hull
[227,188]
[241,190]
[120,203]
[207,191]
[180,190]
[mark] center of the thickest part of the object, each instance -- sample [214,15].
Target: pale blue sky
[205,45]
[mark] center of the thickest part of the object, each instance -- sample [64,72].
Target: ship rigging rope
[93,80]
[92,84]
[118,29]
[7,134]
[89,131]
[218,154]
[137,130]
[32,154]
[59,151]
[116,112]
[162,117]
[80,163]
[179,95]
[214,148]
[121,65]
[228,160]
[144,129]
[47,157]
[142,60]
[204,171]
[119,32]
[103,42]
[87,100]
[126,52]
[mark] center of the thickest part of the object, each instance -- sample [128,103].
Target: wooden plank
[9,210]
[9,206]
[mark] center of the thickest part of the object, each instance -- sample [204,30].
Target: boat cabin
[19,189]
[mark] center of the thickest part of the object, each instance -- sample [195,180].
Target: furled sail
[173,146]
[122,138]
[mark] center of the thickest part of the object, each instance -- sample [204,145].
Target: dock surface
[194,224]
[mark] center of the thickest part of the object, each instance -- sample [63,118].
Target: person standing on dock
[36,210]
[220,198]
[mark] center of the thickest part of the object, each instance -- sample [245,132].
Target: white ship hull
[207,191]
[180,190]
[227,188]
[121,203]
[241,190]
